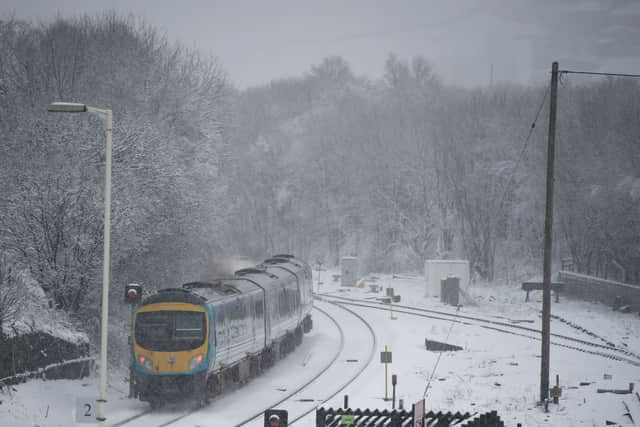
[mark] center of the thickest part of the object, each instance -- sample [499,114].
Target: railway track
[586,331]
[297,404]
[163,418]
[297,401]
[577,344]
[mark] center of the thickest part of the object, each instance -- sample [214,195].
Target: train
[199,339]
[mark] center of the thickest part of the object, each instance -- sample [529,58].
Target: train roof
[223,288]
[244,281]
[174,295]
[286,258]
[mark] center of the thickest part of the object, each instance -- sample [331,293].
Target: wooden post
[386,393]
[319,266]
[320,417]
[393,399]
[548,223]
[131,356]
[556,390]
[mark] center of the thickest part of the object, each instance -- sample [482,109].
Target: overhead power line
[435,367]
[533,126]
[594,73]
[524,149]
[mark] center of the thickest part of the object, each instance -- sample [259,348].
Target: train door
[284,309]
[212,337]
[297,299]
[252,315]
[271,307]
[294,297]
[222,344]
[259,324]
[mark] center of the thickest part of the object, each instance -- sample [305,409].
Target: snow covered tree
[11,294]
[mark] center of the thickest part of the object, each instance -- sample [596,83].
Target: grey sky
[258,41]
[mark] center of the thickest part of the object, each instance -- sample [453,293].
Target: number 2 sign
[86,410]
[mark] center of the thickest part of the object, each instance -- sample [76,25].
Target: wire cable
[524,148]
[594,73]
[520,157]
[435,367]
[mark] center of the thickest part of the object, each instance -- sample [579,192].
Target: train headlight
[145,362]
[195,361]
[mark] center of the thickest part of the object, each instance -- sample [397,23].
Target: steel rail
[379,305]
[362,368]
[634,360]
[305,385]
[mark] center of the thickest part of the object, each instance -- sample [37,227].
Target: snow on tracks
[316,371]
[602,350]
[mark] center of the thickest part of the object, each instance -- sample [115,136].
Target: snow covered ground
[494,371]
[497,371]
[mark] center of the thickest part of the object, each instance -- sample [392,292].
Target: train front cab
[172,351]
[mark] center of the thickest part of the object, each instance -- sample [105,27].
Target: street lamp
[70,107]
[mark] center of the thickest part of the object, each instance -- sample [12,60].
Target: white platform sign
[86,409]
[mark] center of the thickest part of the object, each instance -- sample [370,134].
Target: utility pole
[319,269]
[491,77]
[548,223]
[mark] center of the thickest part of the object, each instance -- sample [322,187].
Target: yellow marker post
[390,294]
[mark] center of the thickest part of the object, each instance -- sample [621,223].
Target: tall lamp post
[68,107]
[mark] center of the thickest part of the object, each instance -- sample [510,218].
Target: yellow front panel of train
[171,337]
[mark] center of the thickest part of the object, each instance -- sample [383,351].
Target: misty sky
[257,41]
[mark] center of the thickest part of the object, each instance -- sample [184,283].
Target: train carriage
[198,339]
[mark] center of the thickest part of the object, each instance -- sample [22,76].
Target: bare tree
[11,294]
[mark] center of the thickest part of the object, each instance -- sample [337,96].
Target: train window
[170,330]
[241,308]
[189,326]
[274,303]
[259,308]
[284,304]
[153,329]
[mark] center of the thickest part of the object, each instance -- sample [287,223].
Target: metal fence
[601,290]
[70,369]
[328,417]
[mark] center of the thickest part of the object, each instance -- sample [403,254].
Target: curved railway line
[602,350]
[303,388]
[293,397]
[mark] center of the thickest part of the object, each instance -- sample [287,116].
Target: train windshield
[170,330]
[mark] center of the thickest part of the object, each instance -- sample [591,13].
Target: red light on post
[133,293]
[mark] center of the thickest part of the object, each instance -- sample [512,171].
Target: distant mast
[491,76]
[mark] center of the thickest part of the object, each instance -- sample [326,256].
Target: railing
[601,290]
[69,369]
[328,417]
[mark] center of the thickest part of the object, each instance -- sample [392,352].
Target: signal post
[385,357]
[133,297]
